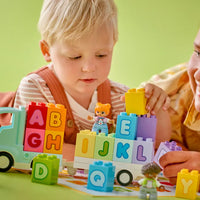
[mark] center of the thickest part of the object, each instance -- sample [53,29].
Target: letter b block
[126,126]
[45,169]
[101,176]
[187,184]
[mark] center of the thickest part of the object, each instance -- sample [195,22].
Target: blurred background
[153,35]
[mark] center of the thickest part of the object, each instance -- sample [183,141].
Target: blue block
[123,150]
[101,176]
[126,126]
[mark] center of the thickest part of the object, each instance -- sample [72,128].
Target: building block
[146,127]
[143,151]
[56,117]
[53,142]
[187,184]
[104,146]
[85,143]
[163,148]
[101,176]
[126,126]
[123,150]
[45,169]
[36,115]
[34,140]
[136,101]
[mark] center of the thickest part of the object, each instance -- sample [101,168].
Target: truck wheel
[124,177]
[6,161]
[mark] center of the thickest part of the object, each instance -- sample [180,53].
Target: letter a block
[104,146]
[136,101]
[56,117]
[126,126]
[101,176]
[143,151]
[85,143]
[45,169]
[187,184]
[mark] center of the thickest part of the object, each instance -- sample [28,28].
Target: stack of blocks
[187,184]
[45,127]
[124,146]
[45,169]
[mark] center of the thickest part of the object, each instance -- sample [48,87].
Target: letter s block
[85,143]
[56,117]
[187,184]
[34,140]
[45,169]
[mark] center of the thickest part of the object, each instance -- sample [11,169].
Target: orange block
[56,117]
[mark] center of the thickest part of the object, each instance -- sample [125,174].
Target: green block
[104,146]
[45,169]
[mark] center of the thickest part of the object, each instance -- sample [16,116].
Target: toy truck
[39,129]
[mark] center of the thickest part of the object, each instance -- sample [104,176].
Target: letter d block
[187,184]
[34,140]
[85,143]
[56,117]
[53,142]
[126,126]
[123,150]
[136,101]
[143,151]
[45,169]
[101,176]
[104,146]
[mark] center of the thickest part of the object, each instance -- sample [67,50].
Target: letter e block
[45,169]
[104,146]
[187,184]
[85,143]
[101,176]
[126,126]
[34,140]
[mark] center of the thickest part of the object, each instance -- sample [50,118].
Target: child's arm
[172,162]
[68,151]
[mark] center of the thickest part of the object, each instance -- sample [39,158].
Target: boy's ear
[45,50]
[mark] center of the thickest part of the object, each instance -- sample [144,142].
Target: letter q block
[126,126]
[136,101]
[187,184]
[101,176]
[56,117]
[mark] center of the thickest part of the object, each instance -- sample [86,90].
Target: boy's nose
[88,66]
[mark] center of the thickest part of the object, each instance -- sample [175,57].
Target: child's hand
[172,162]
[156,98]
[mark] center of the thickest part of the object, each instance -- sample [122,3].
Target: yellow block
[187,184]
[56,117]
[53,142]
[136,101]
[85,143]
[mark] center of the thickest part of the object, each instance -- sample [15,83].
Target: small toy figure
[149,183]
[100,125]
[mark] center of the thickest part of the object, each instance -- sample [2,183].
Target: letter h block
[85,143]
[104,146]
[143,151]
[45,169]
[136,101]
[163,148]
[101,176]
[146,127]
[187,184]
[126,126]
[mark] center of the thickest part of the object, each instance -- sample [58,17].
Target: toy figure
[100,125]
[149,183]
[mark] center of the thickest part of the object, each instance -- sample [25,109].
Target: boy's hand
[156,98]
[172,163]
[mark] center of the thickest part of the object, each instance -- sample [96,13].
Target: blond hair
[72,19]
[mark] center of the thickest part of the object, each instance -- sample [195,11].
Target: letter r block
[187,184]
[126,126]
[34,140]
